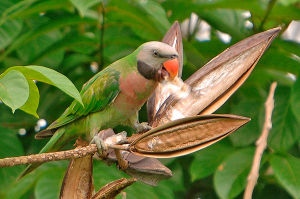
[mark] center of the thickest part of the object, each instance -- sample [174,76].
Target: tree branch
[261,144]
[47,157]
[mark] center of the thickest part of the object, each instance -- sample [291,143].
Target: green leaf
[287,171]
[20,187]
[10,146]
[14,89]
[289,47]
[32,103]
[295,98]
[120,41]
[162,191]
[48,187]
[26,9]
[181,10]
[285,13]
[9,31]
[264,76]
[231,177]
[57,47]
[9,28]
[30,52]
[51,77]
[228,21]
[156,13]
[83,6]
[12,7]
[52,170]
[288,2]
[248,101]
[280,60]
[250,132]
[207,160]
[74,60]
[46,28]
[104,174]
[285,130]
[271,190]
[133,17]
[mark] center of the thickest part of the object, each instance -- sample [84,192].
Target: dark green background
[66,35]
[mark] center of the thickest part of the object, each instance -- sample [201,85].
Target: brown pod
[187,135]
[112,189]
[145,169]
[173,38]
[216,81]
[78,180]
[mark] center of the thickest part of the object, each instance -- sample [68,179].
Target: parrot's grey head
[157,61]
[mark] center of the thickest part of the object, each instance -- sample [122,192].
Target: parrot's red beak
[172,67]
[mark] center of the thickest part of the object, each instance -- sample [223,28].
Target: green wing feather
[96,94]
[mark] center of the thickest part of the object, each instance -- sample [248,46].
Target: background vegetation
[80,37]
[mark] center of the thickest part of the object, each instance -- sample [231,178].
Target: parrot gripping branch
[197,130]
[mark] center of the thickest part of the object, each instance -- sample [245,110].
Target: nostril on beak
[174,56]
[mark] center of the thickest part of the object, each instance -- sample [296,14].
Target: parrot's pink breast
[135,90]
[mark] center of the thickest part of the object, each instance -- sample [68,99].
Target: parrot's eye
[155,53]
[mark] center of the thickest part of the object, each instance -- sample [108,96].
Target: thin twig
[79,152]
[261,144]
[47,157]
[269,9]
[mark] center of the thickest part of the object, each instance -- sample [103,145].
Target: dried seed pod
[215,82]
[185,136]
[147,170]
[173,38]
[78,180]
[112,189]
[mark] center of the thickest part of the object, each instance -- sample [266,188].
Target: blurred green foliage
[69,35]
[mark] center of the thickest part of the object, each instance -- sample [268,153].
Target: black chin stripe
[145,70]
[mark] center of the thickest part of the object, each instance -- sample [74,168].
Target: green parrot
[113,96]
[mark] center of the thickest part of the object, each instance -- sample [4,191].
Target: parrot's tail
[57,141]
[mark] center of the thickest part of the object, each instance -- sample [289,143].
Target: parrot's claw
[104,143]
[142,127]
[101,145]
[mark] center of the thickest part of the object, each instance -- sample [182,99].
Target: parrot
[113,97]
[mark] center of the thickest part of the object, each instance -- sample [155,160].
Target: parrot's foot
[101,145]
[104,143]
[142,127]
